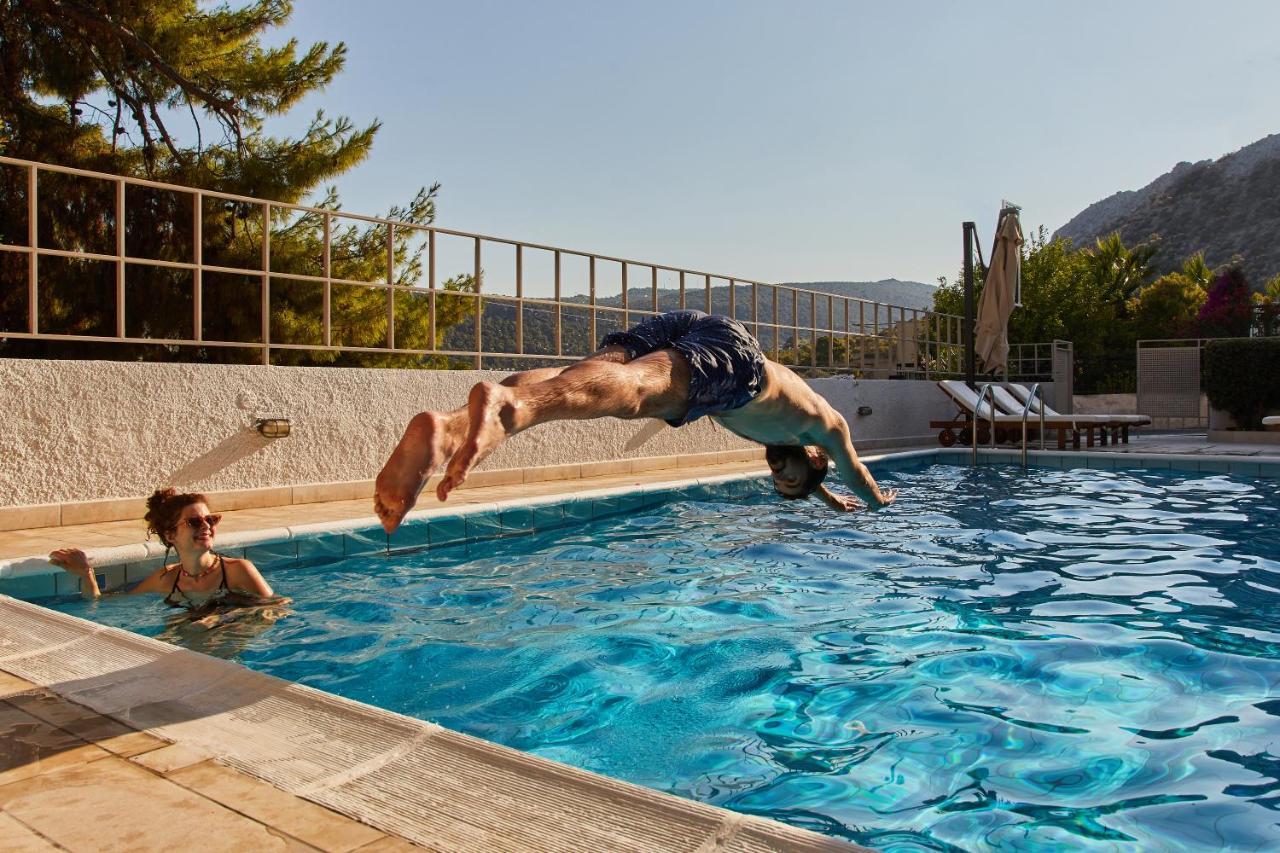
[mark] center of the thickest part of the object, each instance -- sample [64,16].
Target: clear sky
[786,141]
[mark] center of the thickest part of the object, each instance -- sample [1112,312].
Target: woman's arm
[243,576]
[74,561]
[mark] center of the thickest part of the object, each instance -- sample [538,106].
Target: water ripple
[1001,661]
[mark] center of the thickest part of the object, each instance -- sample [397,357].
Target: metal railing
[492,296]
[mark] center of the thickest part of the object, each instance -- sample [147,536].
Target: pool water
[1002,660]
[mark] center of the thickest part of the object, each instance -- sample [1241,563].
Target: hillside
[539,322]
[1225,208]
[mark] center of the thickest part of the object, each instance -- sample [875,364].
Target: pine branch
[102,23]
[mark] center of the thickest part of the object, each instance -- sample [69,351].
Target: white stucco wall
[90,430]
[900,409]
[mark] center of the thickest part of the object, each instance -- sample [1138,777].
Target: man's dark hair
[780,454]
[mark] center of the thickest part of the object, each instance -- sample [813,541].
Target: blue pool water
[1002,660]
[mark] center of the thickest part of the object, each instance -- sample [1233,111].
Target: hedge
[1241,376]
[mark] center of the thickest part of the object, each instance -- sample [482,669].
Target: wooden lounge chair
[969,427]
[1118,424]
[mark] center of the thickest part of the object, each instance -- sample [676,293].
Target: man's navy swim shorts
[726,364]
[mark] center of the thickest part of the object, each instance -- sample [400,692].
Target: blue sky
[785,142]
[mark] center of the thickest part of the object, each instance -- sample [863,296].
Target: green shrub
[1242,377]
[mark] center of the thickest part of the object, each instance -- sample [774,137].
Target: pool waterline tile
[517,520]
[447,530]
[483,525]
[348,537]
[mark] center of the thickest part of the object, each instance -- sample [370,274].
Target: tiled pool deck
[239,760]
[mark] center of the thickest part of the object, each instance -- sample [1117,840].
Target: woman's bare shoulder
[162,575]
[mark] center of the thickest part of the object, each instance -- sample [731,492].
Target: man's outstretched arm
[839,446]
[840,503]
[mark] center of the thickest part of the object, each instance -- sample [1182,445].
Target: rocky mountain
[1227,208]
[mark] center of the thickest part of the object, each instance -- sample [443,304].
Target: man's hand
[840,503]
[888,496]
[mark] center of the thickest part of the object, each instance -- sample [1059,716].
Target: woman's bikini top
[187,601]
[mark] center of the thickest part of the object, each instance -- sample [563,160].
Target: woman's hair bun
[158,498]
[164,507]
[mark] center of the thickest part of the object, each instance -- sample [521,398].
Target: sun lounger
[966,400]
[1118,424]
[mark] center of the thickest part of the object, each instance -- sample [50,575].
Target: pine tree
[180,92]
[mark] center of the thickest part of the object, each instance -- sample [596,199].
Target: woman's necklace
[199,574]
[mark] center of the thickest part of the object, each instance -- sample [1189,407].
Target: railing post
[326,268]
[777,325]
[479,360]
[733,300]
[707,279]
[755,310]
[266,283]
[848,350]
[33,259]
[653,283]
[795,326]
[519,299]
[875,330]
[862,336]
[831,331]
[813,333]
[120,247]
[197,278]
[970,369]
[626,303]
[559,312]
[391,286]
[591,325]
[432,302]
[682,305]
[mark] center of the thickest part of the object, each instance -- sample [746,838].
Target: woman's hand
[74,561]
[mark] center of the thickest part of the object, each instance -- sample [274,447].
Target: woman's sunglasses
[199,521]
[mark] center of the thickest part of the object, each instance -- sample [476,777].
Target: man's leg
[429,441]
[432,438]
[542,374]
[653,386]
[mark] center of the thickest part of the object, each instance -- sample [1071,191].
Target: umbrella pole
[970,230]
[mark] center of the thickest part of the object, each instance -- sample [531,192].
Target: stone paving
[71,779]
[1189,443]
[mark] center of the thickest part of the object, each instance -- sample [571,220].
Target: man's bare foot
[424,448]
[488,406]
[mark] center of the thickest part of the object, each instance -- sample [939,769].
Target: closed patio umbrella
[998,296]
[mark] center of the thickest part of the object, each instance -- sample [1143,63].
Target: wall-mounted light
[864,410]
[273,427]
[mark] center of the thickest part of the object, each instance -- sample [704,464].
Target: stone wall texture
[90,430]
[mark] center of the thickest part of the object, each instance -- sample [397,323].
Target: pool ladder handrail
[1026,410]
[977,415]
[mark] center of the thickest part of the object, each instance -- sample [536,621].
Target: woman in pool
[202,580]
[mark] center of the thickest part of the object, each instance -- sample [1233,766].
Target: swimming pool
[1004,659]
